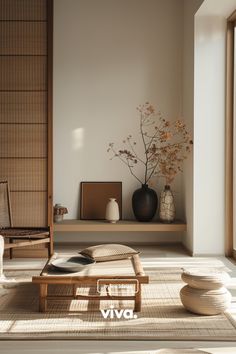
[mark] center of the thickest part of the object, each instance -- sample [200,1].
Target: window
[230,188]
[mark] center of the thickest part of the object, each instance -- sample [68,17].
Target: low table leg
[43,291]
[138,299]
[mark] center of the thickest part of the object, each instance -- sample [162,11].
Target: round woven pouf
[205,293]
[205,278]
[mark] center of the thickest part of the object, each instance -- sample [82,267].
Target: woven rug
[180,351]
[162,317]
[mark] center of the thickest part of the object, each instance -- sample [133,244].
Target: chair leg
[49,250]
[11,249]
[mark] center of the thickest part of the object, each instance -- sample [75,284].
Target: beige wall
[110,56]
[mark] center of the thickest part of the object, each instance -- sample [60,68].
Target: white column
[1,257]
[3,279]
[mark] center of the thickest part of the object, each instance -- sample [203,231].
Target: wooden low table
[120,272]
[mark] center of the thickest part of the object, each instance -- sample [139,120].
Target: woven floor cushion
[205,293]
[205,302]
[205,279]
[108,252]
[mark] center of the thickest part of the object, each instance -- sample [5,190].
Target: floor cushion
[108,252]
[205,292]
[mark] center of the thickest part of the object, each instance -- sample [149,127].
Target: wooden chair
[19,236]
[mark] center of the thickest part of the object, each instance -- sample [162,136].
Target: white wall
[209,124]
[110,56]
[190,8]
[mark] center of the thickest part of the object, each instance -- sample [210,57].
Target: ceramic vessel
[58,212]
[112,211]
[167,206]
[58,218]
[144,203]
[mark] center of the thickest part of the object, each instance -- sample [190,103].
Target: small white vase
[112,211]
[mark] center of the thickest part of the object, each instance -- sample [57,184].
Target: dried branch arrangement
[166,145]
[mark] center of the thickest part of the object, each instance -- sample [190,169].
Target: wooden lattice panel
[31,174]
[23,107]
[23,140]
[27,10]
[19,73]
[28,209]
[27,38]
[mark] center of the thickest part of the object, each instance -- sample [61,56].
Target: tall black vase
[144,203]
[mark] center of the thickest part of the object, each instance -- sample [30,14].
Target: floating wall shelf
[120,226]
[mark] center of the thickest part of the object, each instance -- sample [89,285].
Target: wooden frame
[50,119]
[94,195]
[229,141]
[44,280]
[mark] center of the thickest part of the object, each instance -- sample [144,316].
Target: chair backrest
[5,205]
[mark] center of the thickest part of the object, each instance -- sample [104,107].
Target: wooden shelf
[120,226]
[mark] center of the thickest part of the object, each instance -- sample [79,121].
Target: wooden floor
[158,256]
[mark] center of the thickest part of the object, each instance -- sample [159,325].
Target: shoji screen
[25,119]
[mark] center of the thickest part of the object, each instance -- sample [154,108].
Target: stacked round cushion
[205,292]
